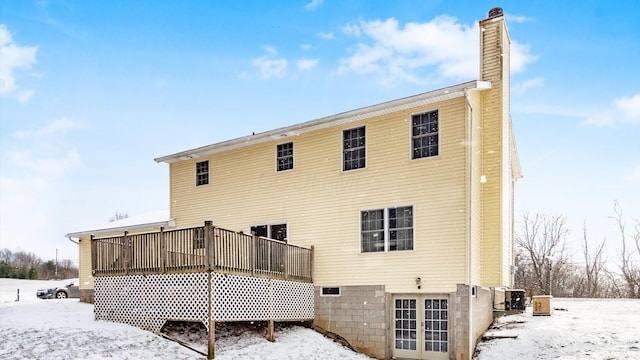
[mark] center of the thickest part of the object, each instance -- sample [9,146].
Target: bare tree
[630,269]
[542,245]
[118,216]
[594,268]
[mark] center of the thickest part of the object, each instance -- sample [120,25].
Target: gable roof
[426,98]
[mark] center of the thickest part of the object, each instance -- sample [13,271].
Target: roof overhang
[422,99]
[146,222]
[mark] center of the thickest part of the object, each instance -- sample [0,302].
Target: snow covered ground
[578,329]
[65,329]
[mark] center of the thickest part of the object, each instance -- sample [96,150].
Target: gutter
[329,121]
[131,228]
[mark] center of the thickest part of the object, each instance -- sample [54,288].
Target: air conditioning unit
[515,300]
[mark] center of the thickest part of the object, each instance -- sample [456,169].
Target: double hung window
[386,229]
[284,156]
[353,149]
[202,173]
[424,135]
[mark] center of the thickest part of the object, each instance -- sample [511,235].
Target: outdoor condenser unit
[514,300]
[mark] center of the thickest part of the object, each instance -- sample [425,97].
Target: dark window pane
[424,134]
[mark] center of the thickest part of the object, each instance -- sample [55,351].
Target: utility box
[542,305]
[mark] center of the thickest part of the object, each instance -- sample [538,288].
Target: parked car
[70,290]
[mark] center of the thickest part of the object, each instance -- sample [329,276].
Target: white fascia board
[426,98]
[121,229]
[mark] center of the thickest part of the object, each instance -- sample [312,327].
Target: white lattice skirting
[149,301]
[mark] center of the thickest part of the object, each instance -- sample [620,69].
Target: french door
[421,327]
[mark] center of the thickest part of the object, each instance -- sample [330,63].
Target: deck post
[253,255]
[163,250]
[311,262]
[127,251]
[208,244]
[94,255]
[285,262]
[270,335]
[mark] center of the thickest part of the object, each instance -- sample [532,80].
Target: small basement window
[330,291]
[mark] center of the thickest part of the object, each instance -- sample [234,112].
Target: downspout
[469,219]
[73,241]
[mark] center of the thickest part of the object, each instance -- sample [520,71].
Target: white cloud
[313,5]
[634,175]
[401,52]
[271,68]
[528,84]
[270,50]
[629,107]
[326,35]
[442,42]
[24,96]
[51,127]
[624,110]
[42,153]
[13,57]
[305,46]
[55,162]
[520,56]
[307,64]
[517,18]
[270,65]
[352,30]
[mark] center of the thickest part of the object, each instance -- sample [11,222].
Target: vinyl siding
[321,204]
[496,237]
[84,271]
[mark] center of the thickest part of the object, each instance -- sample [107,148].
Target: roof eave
[130,228]
[329,121]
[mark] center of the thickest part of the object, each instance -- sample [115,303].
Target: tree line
[544,265]
[25,265]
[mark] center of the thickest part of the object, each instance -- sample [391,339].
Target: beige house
[407,207]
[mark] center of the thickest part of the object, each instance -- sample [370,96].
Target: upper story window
[284,156]
[424,134]
[387,229]
[202,173]
[353,149]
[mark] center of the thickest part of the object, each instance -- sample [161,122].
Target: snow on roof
[148,221]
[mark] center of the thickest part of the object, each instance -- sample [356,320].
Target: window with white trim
[353,149]
[202,173]
[388,229]
[284,156]
[424,135]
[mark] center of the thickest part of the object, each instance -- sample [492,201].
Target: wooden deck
[204,274]
[200,249]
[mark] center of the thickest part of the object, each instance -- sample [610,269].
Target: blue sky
[92,91]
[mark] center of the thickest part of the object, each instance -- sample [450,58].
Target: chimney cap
[495,12]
